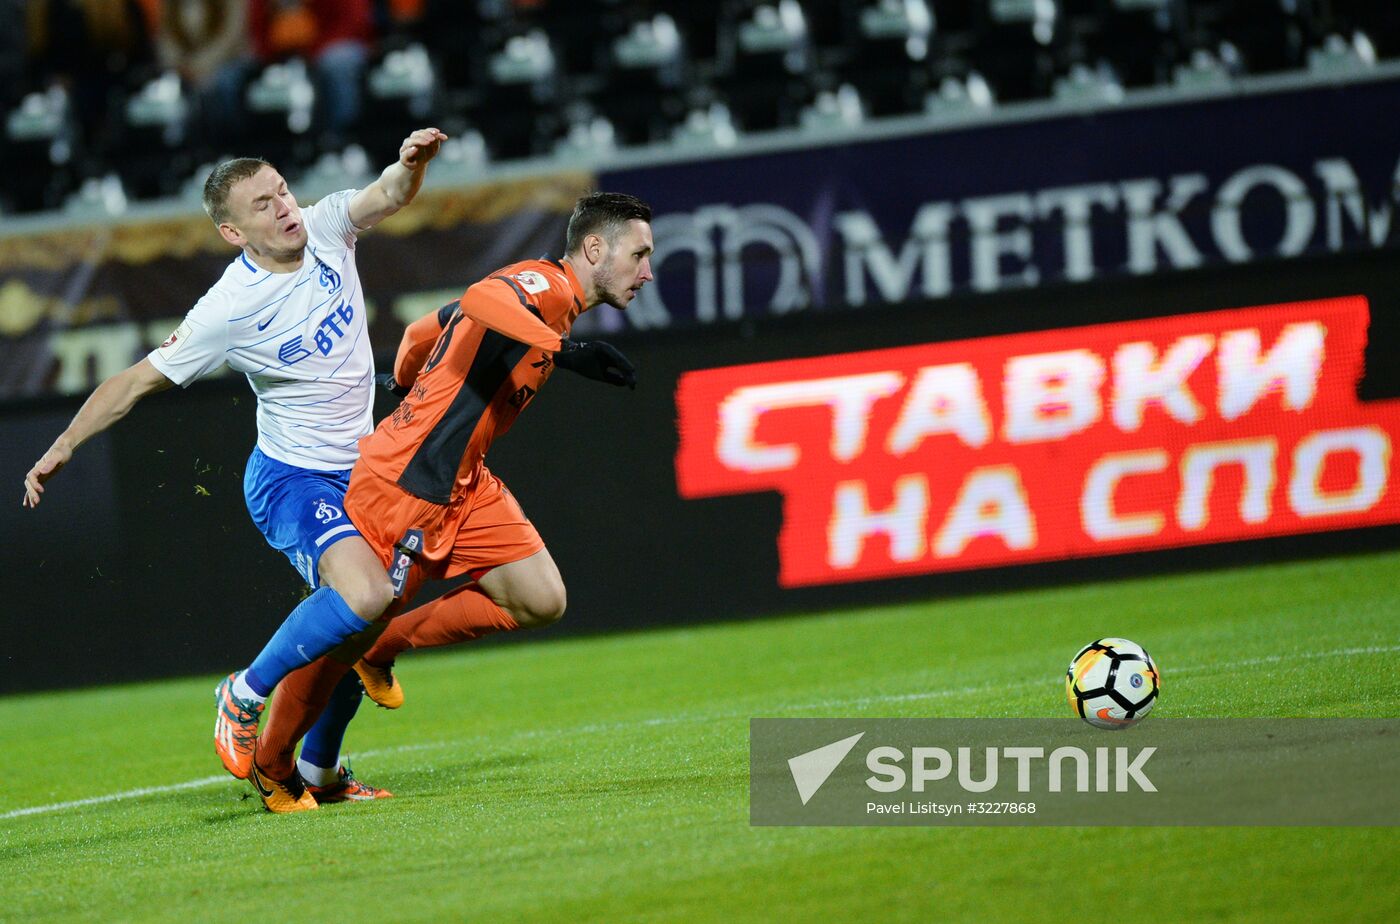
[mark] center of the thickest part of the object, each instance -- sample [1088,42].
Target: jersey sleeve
[197,347]
[508,305]
[328,221]
[417,343]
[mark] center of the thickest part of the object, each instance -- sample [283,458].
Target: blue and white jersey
[301,339]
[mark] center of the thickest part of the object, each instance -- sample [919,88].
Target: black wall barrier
[141,561]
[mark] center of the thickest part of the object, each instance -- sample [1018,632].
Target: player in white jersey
[289,314]
[300,338]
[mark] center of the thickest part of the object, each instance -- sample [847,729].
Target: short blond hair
[222,179]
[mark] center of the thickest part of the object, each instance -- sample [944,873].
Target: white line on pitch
[116,796]
[674,720]
[175,787]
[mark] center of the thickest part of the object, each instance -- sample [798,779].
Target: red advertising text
[1057,444]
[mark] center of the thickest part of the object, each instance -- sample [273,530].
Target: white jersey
[301,339]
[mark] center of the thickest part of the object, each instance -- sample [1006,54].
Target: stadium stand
[108,103]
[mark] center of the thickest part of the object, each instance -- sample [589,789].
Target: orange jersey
[492,353]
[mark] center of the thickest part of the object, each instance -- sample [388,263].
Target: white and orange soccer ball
[1112,683]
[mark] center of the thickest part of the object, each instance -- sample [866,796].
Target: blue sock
[322,743]
[319,623]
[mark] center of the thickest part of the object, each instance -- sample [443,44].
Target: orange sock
[460,615]
[300,697]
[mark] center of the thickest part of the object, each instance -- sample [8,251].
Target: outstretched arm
[499,305]
[108,404]
[399,182]
[490,304]
[495,304]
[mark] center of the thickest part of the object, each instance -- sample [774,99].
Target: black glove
[596,360]
[386,381]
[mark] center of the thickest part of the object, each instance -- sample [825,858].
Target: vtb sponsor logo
[1029,447]
[327,334]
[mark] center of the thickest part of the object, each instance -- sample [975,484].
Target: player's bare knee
[379,596]
[544,608]
[368,598]
[355,572]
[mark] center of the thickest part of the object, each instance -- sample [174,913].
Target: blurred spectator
[207,43]
[401,13]
[198,37]
[73,68]
[334,36]
[98,50]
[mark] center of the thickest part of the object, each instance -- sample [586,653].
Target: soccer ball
[1112,683]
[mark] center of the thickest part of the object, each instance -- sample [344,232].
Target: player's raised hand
[47,466]
[420,147]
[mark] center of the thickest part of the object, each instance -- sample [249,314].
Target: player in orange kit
[421,494]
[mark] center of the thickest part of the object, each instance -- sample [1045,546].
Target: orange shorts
[470,535]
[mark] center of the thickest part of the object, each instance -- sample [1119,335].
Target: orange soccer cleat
[282,796]
[235,728]
[346,788]
[380,684]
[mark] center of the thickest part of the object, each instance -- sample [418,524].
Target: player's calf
[531,590]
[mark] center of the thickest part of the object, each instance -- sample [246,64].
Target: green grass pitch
[605,779]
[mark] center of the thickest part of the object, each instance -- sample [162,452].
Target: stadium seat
[1140,39]
[1271,35]
[1202,70]
[1378,19]
[586,136]
[278,109]
[1015,47]
[1338,57]
[960,96]
[517,106]
[460,37]
[642,91]
[541,77]
[1085,84]
[705,128]
[400,89]
[889,66]
[154,153]
[834,111]
[36,158]
[766,66]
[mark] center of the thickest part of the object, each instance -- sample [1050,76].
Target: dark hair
[605,214]
[222,178]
